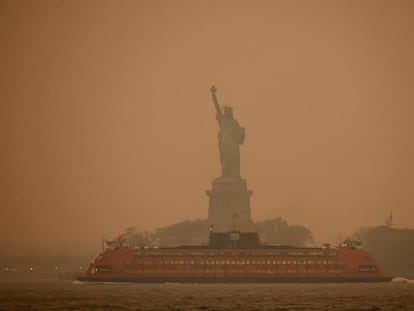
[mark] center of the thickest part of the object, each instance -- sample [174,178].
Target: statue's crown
[230,108]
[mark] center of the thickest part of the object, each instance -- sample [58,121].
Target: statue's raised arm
[213,90]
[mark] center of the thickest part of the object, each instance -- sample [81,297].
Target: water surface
[68,295]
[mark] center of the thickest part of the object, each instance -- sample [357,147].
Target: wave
[400,279]
[78,282]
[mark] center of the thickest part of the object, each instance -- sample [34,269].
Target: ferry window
[103,268]
[367,268]
[316,254]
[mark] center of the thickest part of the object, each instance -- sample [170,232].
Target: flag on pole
[388,221]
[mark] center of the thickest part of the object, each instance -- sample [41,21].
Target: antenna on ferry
[388,221]
[103,242]
[235,217]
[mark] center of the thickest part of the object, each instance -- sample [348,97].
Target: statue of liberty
[230,136]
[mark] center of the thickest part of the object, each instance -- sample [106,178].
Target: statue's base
[229,205]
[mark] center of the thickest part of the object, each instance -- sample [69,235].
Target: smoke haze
[106,118]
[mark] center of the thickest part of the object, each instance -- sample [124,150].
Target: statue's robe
[230,137]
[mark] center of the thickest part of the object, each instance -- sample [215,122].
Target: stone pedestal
[229,205]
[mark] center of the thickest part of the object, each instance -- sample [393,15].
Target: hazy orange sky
[106,118]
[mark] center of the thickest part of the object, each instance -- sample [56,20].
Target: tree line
[196,232]
[393,248]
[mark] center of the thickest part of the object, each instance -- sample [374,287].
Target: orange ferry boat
[235,257]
